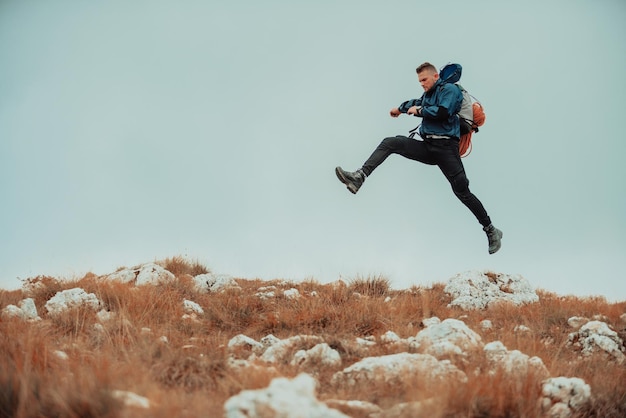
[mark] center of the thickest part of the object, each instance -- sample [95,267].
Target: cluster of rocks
[433,356]
[437,353]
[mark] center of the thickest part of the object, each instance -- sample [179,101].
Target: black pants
[443,153]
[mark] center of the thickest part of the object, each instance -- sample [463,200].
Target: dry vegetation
[188,376]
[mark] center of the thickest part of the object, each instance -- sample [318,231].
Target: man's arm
[448,103]
[406,107]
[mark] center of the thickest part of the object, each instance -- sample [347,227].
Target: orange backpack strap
[465,144]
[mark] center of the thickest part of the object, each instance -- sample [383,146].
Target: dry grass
[188,376]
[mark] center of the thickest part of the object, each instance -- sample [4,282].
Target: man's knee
[391,143]
[460,185]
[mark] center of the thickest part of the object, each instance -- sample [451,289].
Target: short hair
[427,66]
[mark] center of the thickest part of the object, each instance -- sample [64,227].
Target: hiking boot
[352,180]
[495,236]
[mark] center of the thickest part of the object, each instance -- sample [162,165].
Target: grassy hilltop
[69,366]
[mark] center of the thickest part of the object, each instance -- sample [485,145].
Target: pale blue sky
[135,131]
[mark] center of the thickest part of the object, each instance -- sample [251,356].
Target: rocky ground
[163,338]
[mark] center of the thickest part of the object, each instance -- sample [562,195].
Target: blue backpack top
[471,114]
[451,73]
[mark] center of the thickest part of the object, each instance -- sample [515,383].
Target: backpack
[472,113]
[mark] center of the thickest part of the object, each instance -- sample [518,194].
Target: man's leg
[402,145]
[449,161]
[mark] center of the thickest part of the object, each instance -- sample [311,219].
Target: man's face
[428,79]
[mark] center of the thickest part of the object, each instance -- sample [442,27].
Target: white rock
[390,337]
[513,362]
[283,398]
[12,311]
[152,274]
[278,352]
[243,341]
[431,321]
[449,338]
[577,321]
[354,408]
[362,342]
[71,298]
[479,289]
[61,355]
[561,396]
[269,340]
[596,336]
[26,310]
[191,307]
[123,276]
[211,283]
[266,295]
[131,399]
[28,307]
[105,316]
[145,274]
[521,328]
[393,368]
[320,355]
[486,324]
[291,293]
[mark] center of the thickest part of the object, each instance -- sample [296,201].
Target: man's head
[427,75]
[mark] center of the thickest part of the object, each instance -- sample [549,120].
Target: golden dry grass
[188,376]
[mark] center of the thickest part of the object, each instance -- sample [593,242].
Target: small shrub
[374,287]
[179,266]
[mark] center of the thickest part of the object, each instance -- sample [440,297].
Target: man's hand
[414,110]
[395,112]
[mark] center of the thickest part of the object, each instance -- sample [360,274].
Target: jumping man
[440,130]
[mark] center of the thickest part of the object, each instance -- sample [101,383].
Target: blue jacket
[440,106]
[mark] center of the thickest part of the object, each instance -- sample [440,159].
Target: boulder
[280,351]
[244,343]
[561,397]
[211,283]
[480,289]
[393,368]
[450,338]
[320,355]
[354,408]
[596,336]
[292,293]
[191,307]
[145,274]
[513,363]
[283,398]
[577,321]
[70,299]
[25,310]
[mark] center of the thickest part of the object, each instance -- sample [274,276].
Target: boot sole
[353,189]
